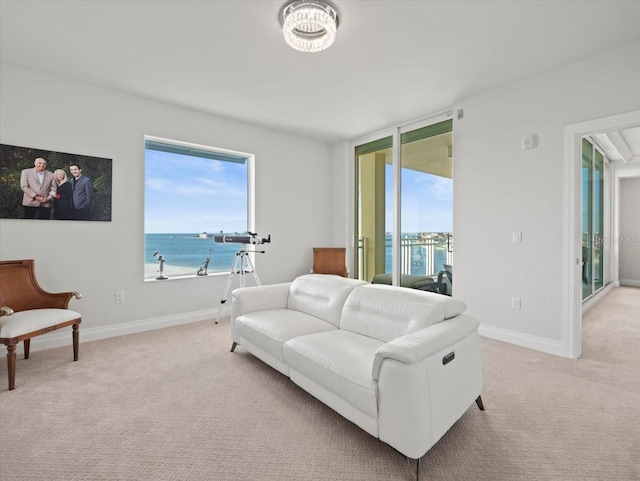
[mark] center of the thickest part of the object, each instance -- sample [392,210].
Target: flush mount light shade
[309,25]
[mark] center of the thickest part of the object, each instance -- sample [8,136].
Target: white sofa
[404,365]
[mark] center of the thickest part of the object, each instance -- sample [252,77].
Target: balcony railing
[421,254]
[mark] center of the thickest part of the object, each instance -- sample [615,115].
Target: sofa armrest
[422,344]
[259,298]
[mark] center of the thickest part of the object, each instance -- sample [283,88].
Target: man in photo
[82,193]
[39,190]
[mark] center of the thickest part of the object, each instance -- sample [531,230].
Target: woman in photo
[62,204]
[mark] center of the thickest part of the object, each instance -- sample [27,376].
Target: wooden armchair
[330,260]
[26,311]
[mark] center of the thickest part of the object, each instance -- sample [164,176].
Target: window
[191,193]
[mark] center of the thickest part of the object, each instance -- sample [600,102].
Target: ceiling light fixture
[309,25]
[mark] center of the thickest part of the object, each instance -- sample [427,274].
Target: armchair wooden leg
[11,365]
[27,345]
[76,339]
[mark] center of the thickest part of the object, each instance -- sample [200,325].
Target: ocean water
[185,253]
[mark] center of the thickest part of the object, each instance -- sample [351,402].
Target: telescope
[246,238]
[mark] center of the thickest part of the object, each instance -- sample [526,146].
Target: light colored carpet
[175,404]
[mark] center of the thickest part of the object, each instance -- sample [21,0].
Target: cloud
[191,194]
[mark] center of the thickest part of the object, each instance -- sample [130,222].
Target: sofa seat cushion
[340,361]
[270,329]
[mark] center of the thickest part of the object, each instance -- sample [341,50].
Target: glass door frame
[599,228]
[395,133]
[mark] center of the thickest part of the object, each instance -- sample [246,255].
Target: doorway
[573,271]
[404,203]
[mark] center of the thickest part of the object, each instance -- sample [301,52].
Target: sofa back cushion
[451,307]
[321,295]
[385,312]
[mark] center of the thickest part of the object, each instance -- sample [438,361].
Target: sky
[426,202]
[185,194]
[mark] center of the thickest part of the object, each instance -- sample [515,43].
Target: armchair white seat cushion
[24,322]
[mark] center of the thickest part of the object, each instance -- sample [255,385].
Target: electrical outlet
[119,297]
[515,303]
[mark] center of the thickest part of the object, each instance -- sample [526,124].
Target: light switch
[517,237]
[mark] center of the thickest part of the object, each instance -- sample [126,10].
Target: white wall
[620,171]
[629,239]
[99,258]
[499,189]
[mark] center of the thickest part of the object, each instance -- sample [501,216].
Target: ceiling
[620,145]
[392,62]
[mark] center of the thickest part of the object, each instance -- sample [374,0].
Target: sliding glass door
[374,208]
[427,203]
[593,224]
[404,211]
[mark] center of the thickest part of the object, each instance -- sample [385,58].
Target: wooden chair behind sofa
[26,311]
[330,260]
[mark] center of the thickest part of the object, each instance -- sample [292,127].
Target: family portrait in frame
[42,184]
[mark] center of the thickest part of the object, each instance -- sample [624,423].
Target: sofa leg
[418,469]
[479,403]
[233,346]
[27,345]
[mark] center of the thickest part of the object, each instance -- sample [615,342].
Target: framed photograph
[47,185]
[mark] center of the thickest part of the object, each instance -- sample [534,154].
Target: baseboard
[630,282]
[63,337]
[543,344]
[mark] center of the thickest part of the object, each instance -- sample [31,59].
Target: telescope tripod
[242,265]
